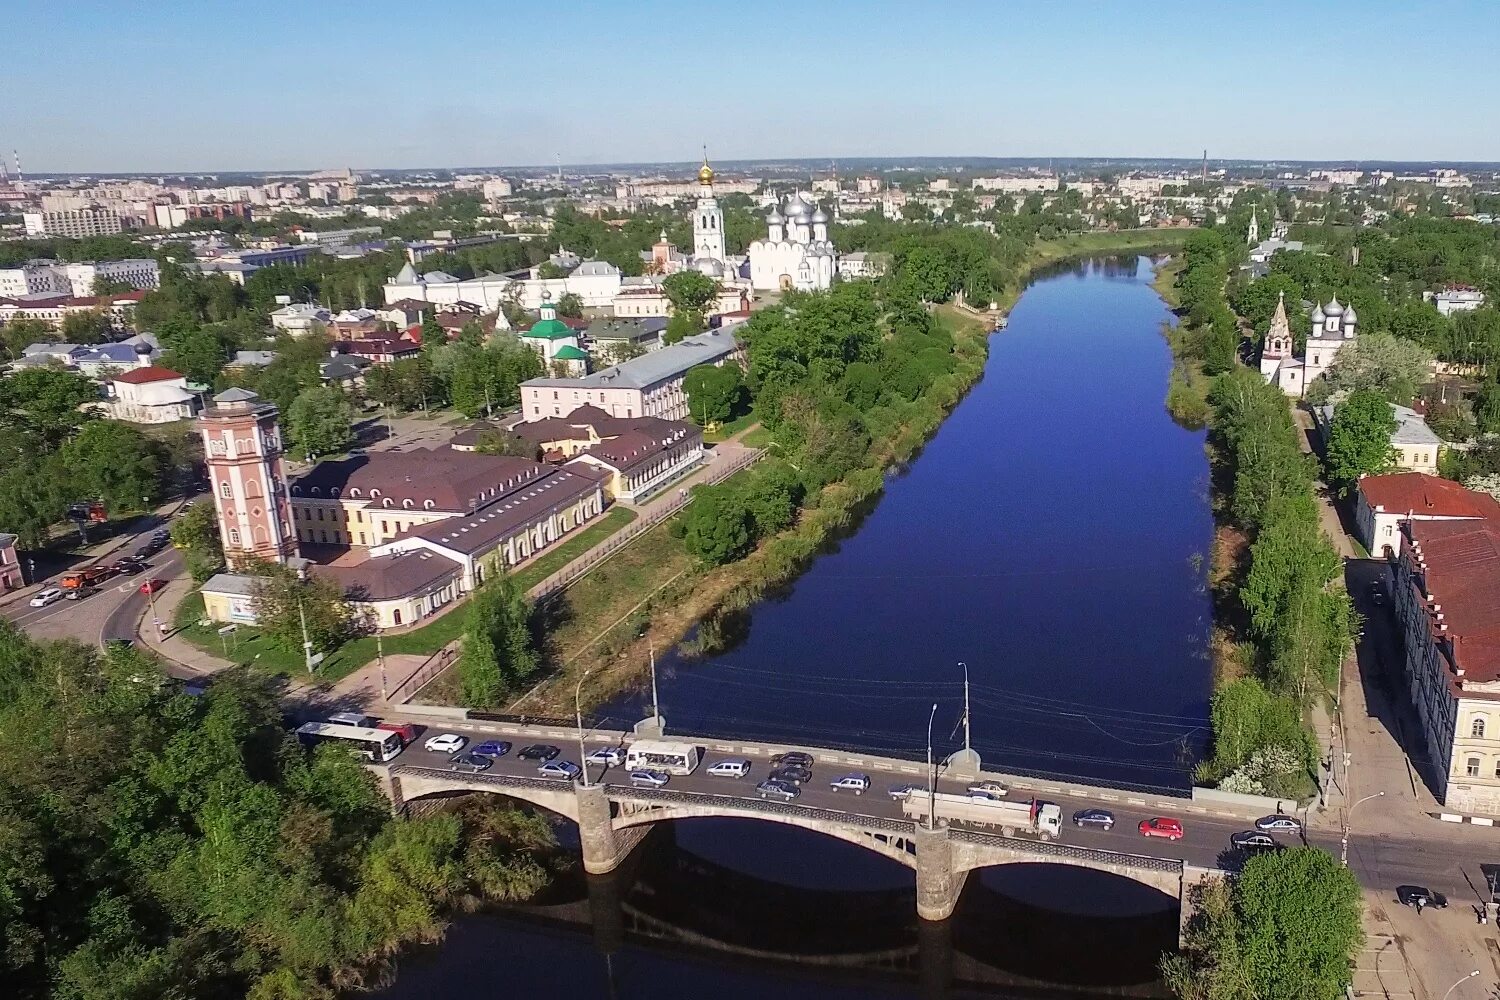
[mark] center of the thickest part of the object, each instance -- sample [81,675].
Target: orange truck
[91,577]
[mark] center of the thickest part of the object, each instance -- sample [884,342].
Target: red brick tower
[242,448]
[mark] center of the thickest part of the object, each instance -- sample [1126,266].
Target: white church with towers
[1333,326]
[796,253]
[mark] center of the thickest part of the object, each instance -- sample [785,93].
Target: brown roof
[511,514]
[385,577]
[151,373]
[1419,493]
[371,346]
[634,448]
[575,426]
[455,481]
[1462,576]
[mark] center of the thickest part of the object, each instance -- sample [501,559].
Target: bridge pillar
[601,849]
[391,785]
[938,885]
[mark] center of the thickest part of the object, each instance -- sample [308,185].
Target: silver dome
[775,218]
[820,216]
[1349,315]
[1333,308]
[796,207]
[708,266]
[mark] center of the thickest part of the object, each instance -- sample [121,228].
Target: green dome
[570,353]
[549,329]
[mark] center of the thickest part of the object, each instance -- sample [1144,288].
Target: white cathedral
[796,253]
[1333,326]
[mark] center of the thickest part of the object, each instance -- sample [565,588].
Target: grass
[730,428]
[758,438]
[615,520]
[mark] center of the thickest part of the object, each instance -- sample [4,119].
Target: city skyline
[286,87]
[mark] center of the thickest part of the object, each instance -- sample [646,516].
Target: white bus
[378,745]
[663,755]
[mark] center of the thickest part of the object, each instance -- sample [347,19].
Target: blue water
[1053,535]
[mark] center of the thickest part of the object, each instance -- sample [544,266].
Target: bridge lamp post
[1456,985]
[583,762]
[931,775]
[1344,852]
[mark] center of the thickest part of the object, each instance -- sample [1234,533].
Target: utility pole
[583,762]
[1344,851]
[380,654]
[968,743]
[655,708]
[306,642]
[931,774]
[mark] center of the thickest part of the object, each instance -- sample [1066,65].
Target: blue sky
[214,85]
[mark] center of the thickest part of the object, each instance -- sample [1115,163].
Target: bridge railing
[497,780]
[1069,851]
[767,806]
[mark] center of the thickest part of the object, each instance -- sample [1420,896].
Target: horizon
[1343,82]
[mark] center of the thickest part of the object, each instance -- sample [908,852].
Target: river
[1053,536]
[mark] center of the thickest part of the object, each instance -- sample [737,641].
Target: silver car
[856,783]
[607,756]
[646,778]
[565,769]
[783,790]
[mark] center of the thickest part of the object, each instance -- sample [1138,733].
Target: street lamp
[931,774]
[1456,985]
[578,714]
[1344,853]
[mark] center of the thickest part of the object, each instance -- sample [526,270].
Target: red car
[1162,826]
[153,586]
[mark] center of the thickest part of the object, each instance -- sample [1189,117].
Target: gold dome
[705,173]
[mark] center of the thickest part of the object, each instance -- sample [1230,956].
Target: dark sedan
[1420,896]
[792,775]
[1254,842]
[470,763]
[1102,818]
[793,758]
[538,751]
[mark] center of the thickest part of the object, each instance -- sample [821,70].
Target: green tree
[1487,407]
[498,655]
[32,499]
[90,327]
[196,533]
[1359,438]
[497,442]
[716,527]
[689,291]
[198,352]
[46,402]
[22,332]
[715,392]
[320,421]
[283,601]
[1393,367]
[682,324]
[110,286]
[115,462]
[570,305]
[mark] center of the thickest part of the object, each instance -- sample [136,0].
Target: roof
[343,366]
[151,373]
[1412,429]
[233,584]
[382,578]
[650,369]
[253,359]
[626,329]
[637,447]
[1419,493]
[549,329]
[1462,576]
[509,514]
[454,481]
[568,352]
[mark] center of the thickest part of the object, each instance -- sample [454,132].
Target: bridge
[613,816]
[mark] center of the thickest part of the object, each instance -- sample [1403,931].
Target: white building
[1333,326]
[152,395]
[51,277]
[1456,299]
[796,253]
[1416,448]
[37,277]
[708,219]
[497,188]
[300,317]
[595,282]
[1383,502]
[861,265]
[74,224]
[1015,185]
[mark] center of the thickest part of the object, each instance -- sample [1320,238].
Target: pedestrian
[1421,902]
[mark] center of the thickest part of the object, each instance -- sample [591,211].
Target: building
[595,282]
[644,297]
[37,277]
[640,456]
[74,224]
[796,253]
[862,265]
[1447,604]
[151,395]
[708,219]
[103,361]
[556,342]
[11,577]
[378,350]
[139,273]
[1384,502]
[1415,446]
[496,188]
[1333,326]
[604,336]
[647,386]
[242,449]
[1015,185]
[1456,299]
[55,309]
[300,317]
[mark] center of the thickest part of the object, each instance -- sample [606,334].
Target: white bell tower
[708,218]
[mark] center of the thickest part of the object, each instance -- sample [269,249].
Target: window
[323,535]
[224,490]
[1473,767]
[320,513]
[234,536]
[385,528]
[396,615]
[406,503]
[1476,730]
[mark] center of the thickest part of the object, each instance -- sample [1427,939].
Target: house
[11,577]
[605,335]
[300,317]
[104,360]
[1447,603]
[642,460]
[1414,443]
[151,395]
[1382,503]
[355,323]
[251,359]
[1456,299]
[347,371]
[378,350]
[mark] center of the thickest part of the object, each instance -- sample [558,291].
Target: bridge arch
[974,852]
[556,797]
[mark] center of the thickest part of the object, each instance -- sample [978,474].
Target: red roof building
[151,373]
[1383,502]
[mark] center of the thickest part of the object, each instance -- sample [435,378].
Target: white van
[734,768]
[663,755]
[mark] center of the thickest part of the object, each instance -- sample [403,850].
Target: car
[1420,896]
[357,719]
[79,593]
[791,774]
[1162,826]
[736,767]
[472,762]
[1102,818]
[1277,823]
[128,567]
[856,783]
[899,792]
[446,743]
[492,748]
[792,758]
[161,535]
[565,769]
[647,778]
[539,751]
[988,790]
[153,586]
[1254,842]
[185,508]
[143,553]
[773,789]
[607,756]
[45,597]
[1377,594]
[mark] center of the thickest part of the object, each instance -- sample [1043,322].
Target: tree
[1487,407]
[619,352]
[689,291]
[198,352]
[1359,438]
[283,601]
[715,392]
[496,442]
[31,500]
[21,333]
[1394,367]
[116,463]
[716,527]
[682,324]
[46,402]
[570,304]
[498,654]
[320,421]
[196,533]
[91,327]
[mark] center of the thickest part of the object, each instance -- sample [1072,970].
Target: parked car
[773,789]
[856,783]
[492,748]
[1420,895]
[899,792]
[539,751]
[1254,842]
[1278,823]
[736,767]
[794,758]
[607,756]
[153,586]
[42,598]
[988,790]
[1377,594]
[472,762]
[446,743]
[646,778]
[161,535]
[565,769]
[1101,818]
[1162,826]
[359,719]
[791,774]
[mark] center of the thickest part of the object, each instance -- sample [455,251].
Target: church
[796,253]
[1333,326]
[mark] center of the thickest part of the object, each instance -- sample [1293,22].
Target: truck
[91,577]
[1043,819]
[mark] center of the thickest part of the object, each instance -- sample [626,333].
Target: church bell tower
[708,218]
